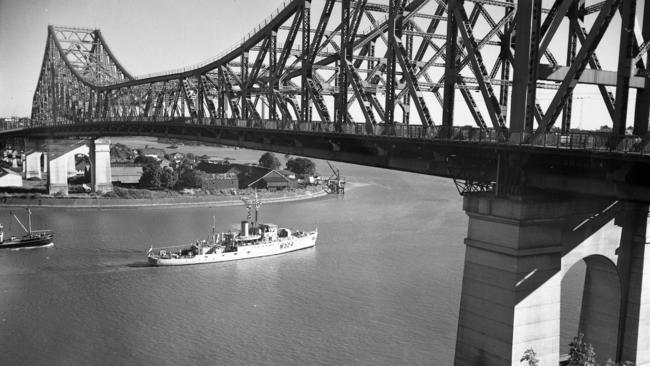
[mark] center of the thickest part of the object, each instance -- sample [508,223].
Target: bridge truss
[344,61]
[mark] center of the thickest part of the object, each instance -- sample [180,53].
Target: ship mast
[257,204]
[21,224]
[29,212]
[214,224]
[252,203]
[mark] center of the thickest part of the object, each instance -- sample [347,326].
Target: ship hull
[38,242]
[243,252]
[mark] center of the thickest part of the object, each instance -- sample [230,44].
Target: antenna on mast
[247,203]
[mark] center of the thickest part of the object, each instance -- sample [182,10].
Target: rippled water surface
[382,286]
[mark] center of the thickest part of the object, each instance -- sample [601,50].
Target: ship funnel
[244,228]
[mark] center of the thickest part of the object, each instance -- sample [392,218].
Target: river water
[382,286]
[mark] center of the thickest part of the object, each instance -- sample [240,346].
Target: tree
[581,353]
[146,160]
[190,179]
[168,178]
[530,357]
[301,166]
[120,152]
[151,176]
[269,160]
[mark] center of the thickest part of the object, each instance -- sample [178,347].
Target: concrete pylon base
[57,189]
[100,156]
[103,188]
[35,165]
[518,250]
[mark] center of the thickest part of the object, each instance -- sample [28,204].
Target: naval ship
[253,240]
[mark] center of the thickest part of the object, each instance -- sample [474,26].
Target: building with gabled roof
[273,180]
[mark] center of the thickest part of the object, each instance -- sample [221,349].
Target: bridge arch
[598,311]
[519,249]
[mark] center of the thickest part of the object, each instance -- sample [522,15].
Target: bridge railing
[595,141]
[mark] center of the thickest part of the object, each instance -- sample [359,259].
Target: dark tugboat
[32,238]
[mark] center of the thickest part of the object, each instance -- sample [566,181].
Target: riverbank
[130,198]
[169,202]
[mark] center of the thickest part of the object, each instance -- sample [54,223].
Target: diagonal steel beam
[411,84]
[581,36]
[355,21]
[481,74]
[320,29]
[288,44]
[582,59]
[422,49]
[261,54]
[460,83]
[552,23]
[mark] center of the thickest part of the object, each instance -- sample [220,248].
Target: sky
[146,36]
[150,36]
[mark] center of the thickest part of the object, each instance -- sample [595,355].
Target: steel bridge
[362,66]
[450,88]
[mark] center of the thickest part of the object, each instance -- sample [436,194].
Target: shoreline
[173,202]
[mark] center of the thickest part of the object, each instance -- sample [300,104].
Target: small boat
[253,240]
[31,239]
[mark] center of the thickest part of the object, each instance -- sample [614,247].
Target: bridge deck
[577,162]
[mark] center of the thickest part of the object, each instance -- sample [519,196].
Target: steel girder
[408,45]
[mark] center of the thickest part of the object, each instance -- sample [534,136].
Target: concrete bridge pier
[517,252]
[57,178]
[62,165]
[35,164]
[100,160]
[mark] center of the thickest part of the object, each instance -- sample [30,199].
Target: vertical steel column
[625,56]
[573,14]
[451,63]
[273,80]
[642,106]
[199,98]
[525,66]
[306,64]
[342,109]
[105,102]
[244,80]
[535,39]
[221,107]
[98,105]
[349,39]
[336,92]
[406,100]
[390,64]
[504,91]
